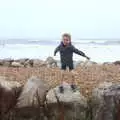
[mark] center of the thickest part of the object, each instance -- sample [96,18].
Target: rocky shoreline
[37,101]
[49,62]
[23,97]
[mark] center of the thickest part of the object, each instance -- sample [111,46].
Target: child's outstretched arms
[75,50]
[56,50]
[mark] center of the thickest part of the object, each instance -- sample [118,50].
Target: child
[66,50]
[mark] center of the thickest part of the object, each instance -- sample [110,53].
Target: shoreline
[87,76]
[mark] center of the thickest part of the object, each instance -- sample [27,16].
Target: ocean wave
[99,42]
[56,42]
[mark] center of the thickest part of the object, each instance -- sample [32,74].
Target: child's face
[66,40]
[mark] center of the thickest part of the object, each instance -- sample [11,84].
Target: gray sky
[50,18]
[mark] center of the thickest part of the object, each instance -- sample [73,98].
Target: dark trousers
[70,66]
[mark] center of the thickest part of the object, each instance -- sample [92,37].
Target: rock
[16,64]
[85,63]
[105,102]
[22,61]
[107,63]
[116,63]
[29,63]
[51,62]
[31,99]
[1,62]
[32,88]
[68,105]
[9,92]
[7,62]
[39,63]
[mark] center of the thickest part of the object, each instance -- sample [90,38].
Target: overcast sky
[50,18]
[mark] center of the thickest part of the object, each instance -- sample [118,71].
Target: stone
[16,64]
[9,92]
[51,62]
[31,100]
[105,102]
[68,105]
[39,63]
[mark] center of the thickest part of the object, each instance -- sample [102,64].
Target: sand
[87,78]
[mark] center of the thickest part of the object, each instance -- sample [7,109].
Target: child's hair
[67,35]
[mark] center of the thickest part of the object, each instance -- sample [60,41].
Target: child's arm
[56,50]
[75,50]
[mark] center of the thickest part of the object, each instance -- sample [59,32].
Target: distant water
[97,50]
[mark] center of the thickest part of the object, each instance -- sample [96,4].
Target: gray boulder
[116,63]
[9,92]
[85,63]
[16,64]
[22,60]
[28,63]
[31,101]
[7,62]
[107,63]
[68,105]
[51,62]
[39,63]
[106,102]
[1,62]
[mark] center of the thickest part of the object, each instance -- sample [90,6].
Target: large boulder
[107,63]
[68,105]
[7,62]
[22,60]
[16,64]
[1,62]
[85,63]
[9,92]
[39,63]
[31,99]
[116,63]
[51,62]
[106,102]
[28,63]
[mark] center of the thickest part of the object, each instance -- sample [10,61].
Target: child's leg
[73,84]
[62,77]
[61,82]
[71,67]
[63,66]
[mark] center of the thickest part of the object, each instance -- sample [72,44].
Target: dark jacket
[66,53]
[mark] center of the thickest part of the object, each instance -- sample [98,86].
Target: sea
[98,50]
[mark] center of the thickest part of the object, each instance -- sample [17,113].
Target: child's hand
[87,58]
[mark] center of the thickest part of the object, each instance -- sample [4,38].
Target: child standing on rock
[66,50]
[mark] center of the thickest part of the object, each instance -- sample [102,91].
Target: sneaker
[74,87]
[61,89]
